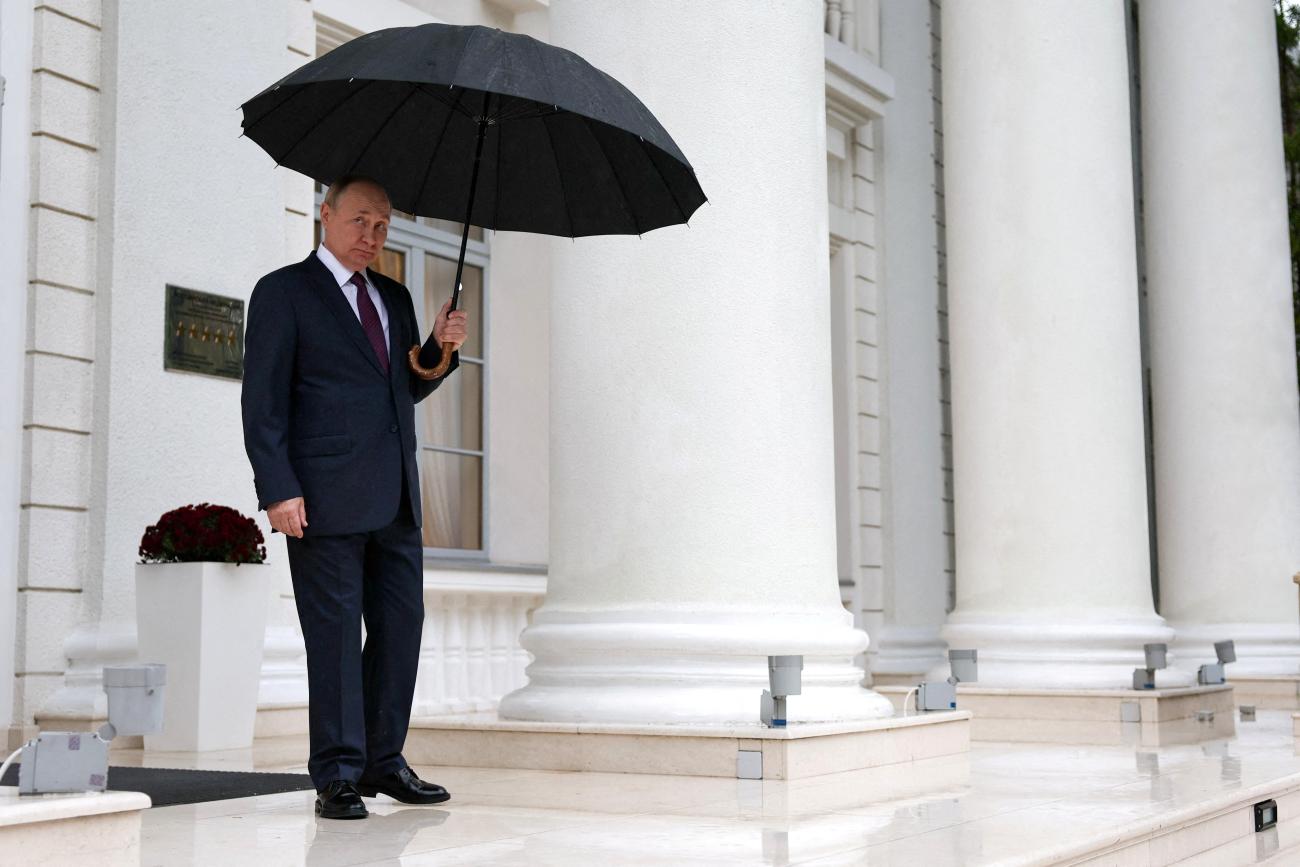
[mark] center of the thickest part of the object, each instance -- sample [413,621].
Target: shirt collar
[342,275]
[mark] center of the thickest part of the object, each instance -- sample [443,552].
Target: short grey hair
[341,185]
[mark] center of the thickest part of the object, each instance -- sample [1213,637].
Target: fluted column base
[698,668]
[1263,649]
[1024,651]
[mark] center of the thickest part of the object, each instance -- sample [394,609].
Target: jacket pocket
[314,447]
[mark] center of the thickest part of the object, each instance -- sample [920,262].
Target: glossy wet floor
[1002,804]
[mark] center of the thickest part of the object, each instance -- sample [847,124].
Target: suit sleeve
[269,348]
[422,388]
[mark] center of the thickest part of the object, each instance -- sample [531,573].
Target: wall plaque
[205,333]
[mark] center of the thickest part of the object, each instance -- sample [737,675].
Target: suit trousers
[359,698]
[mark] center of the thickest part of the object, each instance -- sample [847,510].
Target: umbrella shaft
[469,206]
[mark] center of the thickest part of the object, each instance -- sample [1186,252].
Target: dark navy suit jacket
[321,419]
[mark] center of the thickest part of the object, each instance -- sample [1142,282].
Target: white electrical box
[64,762]
[135,697]
[936,695]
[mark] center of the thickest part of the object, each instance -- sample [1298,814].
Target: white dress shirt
[344,278]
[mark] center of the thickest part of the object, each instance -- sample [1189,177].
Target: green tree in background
[1288,61]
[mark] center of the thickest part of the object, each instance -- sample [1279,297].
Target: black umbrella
[474,124]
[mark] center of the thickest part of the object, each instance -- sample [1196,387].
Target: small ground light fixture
[1156,657]
[1211,674]
[784,676]
[55,762]
[942,694]
[1265,815]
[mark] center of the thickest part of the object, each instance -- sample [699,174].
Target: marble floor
[1001,804]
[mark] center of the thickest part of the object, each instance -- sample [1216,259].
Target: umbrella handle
[438,370]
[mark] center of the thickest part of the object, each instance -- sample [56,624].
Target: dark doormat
[167,787]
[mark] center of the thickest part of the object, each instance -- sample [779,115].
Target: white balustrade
[470,654]
[840,21]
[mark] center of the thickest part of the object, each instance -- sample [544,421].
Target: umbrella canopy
[565,149]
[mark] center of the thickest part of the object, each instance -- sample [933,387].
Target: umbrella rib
[365,150]
[464,49]
[436,93]
[542,65]
[297,90]
[437,146]
[667,185]
[527,108]
[559,173]
[627,203]
[320,120]
[550,139]
[513,111]
[529,112]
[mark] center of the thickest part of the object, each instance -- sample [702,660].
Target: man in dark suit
[329,427]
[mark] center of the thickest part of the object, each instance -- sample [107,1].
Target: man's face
[355,228]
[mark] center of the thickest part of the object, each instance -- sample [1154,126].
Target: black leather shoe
[404,786]
[339,800]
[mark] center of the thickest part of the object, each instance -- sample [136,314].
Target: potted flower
[200,601]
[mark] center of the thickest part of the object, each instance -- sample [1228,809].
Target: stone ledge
[280,720]
[93,828]
[18,809]
[1204,832]
[484,740]
[1275,692]
[1093,716]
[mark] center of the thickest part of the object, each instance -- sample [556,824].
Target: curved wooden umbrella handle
[440,369]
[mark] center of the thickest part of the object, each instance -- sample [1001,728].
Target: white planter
[206,622]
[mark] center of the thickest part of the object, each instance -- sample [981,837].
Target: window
[451,420]
[421,253]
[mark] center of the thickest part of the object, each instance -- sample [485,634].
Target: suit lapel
[332,297]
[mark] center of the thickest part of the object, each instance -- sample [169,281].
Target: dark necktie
[370,320]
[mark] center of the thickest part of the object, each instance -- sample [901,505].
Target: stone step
[1151,717]
[101,828]
[750,751]
[1218,830]
[1278,692]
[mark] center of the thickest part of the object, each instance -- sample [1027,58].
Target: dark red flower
[203,533]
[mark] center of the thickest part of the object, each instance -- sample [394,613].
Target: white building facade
[983,340]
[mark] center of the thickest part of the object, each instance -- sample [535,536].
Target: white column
[1223,367]
[1053,574]
[15,212]
[692,491]
[144,457]
[912,474]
